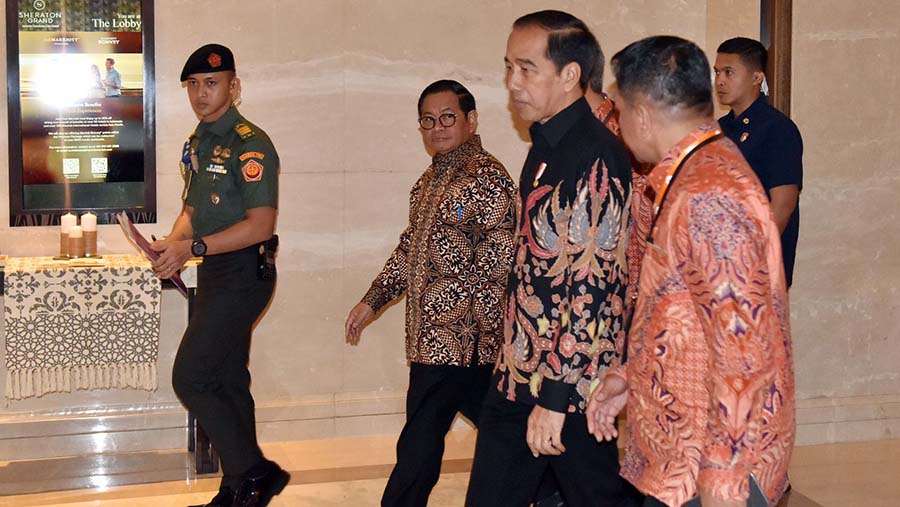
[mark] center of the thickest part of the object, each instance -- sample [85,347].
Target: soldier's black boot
[225,498]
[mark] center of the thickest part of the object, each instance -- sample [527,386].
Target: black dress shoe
[258,491]
[225,498]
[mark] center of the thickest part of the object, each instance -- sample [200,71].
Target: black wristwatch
[198,247]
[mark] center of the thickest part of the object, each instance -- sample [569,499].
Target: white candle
[89,222]
[66,222]
[75,232]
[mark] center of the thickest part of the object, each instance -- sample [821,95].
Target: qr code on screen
[99,167]
[71,166]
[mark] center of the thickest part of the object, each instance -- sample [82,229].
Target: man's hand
[608,400]
[545,432]
[173,255]
[359,316]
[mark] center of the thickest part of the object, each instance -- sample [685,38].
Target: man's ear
[645,119]
[571,74]
[235,90]
[758,77]
[472,117]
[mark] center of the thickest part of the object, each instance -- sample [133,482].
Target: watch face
[198,247]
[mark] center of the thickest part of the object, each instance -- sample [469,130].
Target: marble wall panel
[844,299]
[335,83]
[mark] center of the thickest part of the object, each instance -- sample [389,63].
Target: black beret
[209,58]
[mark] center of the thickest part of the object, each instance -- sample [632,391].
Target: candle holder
[89,227]
[76,243]
[63,247]
[90,244]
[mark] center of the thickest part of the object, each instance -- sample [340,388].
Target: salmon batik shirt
[709,364]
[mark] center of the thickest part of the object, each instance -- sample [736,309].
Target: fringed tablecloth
[76,326]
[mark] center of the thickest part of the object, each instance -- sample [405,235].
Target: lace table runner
[80,325]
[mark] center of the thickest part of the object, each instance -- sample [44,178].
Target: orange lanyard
[676,166]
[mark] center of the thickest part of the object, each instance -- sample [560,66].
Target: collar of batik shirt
[657,177]
[456,158]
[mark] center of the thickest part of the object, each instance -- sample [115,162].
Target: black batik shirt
[563,307]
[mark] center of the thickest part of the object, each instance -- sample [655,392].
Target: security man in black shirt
[767,138]
[230,170]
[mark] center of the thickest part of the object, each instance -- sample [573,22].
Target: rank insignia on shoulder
[252,171]
[243,130]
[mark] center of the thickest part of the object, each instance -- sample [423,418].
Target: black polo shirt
[771,143]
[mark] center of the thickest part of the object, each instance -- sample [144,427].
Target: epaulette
[244,131]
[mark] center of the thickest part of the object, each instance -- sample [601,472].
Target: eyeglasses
[429,122]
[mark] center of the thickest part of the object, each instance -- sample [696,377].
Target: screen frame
[19,216]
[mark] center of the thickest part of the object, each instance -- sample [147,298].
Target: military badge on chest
[220,155]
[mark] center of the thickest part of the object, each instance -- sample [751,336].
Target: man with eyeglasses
[452,262]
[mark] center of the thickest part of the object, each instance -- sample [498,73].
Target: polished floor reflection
[353,471]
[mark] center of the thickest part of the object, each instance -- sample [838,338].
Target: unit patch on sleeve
[252,171]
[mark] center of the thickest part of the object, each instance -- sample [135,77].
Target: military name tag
[217,168]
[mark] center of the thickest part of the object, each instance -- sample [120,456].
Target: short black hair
[466,99]
[671,71]
[110,60]
[569,40]
[751,52]
[596,82]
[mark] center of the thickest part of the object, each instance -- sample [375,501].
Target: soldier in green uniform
[230,171]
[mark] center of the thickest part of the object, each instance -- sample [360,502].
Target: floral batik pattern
[709,368]
[564,304]
[641,205]
[453,259]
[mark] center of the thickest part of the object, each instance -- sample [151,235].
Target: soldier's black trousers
[210,373]
[435,395]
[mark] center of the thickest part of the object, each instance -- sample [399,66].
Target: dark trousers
[506,474]
[210,373]
[435,395]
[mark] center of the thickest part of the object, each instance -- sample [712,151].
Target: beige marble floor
[352,472]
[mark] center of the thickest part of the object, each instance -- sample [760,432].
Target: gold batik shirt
[453,259]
